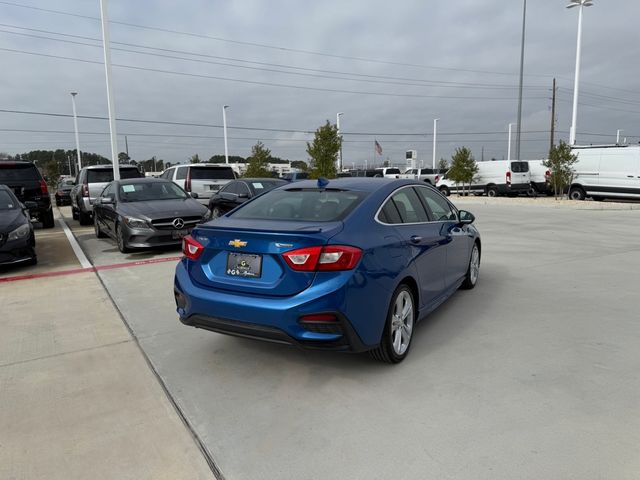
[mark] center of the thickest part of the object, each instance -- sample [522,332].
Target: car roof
[108,165]
[262,179]
[13,163]
[363,184]
[214,165]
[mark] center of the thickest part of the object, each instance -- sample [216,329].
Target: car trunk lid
[228,242]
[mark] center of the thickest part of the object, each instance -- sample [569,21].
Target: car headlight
[135,222]
[21,232]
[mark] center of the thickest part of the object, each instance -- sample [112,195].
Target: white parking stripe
[84,261]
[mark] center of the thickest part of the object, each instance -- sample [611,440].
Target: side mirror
[466,218]
[29,205]
[194,195]
[230,197]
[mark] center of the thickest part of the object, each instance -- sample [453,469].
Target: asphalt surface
[533,374]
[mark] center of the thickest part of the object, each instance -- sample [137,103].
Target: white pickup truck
[428,175]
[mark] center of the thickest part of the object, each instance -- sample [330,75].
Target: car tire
[58,203]
[445,191]
[492,191]
[74,213]
[598,199]
[84,218]
[122,244]
[473,271]
[398,330]
[577,193]
[47,219]
[96,228]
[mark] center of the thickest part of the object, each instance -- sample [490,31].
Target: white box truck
[497,177]
[606,172]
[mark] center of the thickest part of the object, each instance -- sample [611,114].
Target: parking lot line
[82,258]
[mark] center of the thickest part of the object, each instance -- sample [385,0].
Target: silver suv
[204,179]
[90,183]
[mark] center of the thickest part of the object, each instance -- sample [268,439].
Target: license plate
[244,265]
[177,234]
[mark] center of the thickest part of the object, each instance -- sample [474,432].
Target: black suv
[28,185]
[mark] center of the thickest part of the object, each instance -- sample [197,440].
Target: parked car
[606,172]
[350,265]
[496,177]
[389,172]
[17,239]
[428,175]
[63,191]
[295,176]
[365,173]
[237,192]
[145,212]
[204,179]
[89,183]
[28,185]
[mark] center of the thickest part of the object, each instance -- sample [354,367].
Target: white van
[204,179]
[389,172]
[497,177]
[540,178]
[606,172]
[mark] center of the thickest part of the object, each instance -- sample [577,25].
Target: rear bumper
[271,319]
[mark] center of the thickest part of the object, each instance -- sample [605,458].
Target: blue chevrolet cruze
[347,264]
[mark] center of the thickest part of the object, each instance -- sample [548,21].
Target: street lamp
[224,126]
[339,166]
[574,115]
[509,147]
[435,134]
[75,126]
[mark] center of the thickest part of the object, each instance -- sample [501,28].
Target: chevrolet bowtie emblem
[237,243]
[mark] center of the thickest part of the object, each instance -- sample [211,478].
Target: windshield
[7,201]
[148,191]
[308,205]
[18,172]
[264,185]
[106,175]
[212,173]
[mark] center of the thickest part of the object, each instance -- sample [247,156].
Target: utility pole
[519,126]
[482,157]
[553,115]
[126,147]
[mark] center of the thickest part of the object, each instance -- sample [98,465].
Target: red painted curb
[74,271]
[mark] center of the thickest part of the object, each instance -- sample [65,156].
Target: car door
[107,211]
[244,194]
[457,238]
[422,240]
[228,196]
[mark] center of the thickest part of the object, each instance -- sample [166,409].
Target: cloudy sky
[285,67]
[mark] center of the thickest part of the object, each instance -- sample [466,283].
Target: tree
[463,167]
[560,164]
[443,165]
[123,158]
[194,158]
[300,165]
[324,151]
[259,161]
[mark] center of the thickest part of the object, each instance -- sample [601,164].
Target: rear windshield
[18,172]
[308,205]
[212,173]
[392,171]
[7,201]
[519,167]
[144,192]
[106,175]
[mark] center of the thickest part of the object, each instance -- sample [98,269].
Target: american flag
[377,147]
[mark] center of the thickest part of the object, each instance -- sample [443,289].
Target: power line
[254,82]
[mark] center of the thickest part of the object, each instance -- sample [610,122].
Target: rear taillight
[85,190]
[191,248]
[547,175]
[187,182]
[330,258]
[509,178]
[43,188]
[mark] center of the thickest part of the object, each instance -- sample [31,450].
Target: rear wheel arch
[413,285]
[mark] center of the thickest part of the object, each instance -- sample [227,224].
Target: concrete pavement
[77,398]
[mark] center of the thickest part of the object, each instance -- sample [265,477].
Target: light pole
[110,101]
[224,126]
[339,166]
[574,115]
[618,136]
[518,130]
[75,126]
[435,134]
[509,147]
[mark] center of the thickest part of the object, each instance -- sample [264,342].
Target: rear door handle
[415,239]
